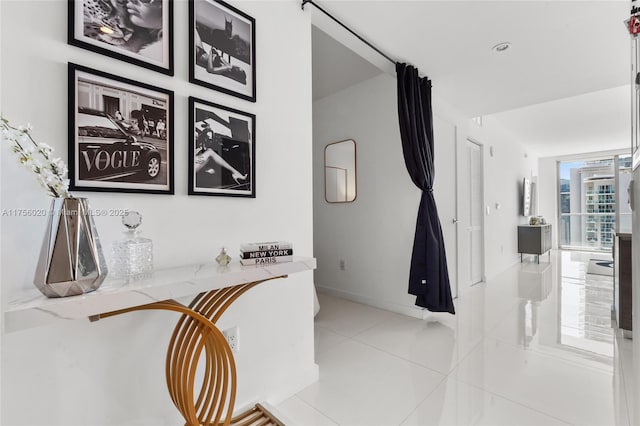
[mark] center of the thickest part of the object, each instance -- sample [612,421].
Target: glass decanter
[223,258]
[133,255]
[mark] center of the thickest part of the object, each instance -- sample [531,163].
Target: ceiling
[560,50]
[335,67]
[592,122]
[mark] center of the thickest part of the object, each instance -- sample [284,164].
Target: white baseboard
[411,311]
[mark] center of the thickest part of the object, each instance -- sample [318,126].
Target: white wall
[374,235]
[112,371]
[548,194]
[506,163]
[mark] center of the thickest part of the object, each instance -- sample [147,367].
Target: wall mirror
[340,172]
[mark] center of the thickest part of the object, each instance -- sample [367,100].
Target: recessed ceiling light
[501,47]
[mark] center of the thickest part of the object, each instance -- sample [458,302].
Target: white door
[475,212]
[445,194]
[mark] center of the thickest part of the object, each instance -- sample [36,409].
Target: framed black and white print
[135,31]
[222,150]
[222,48]
[120,134]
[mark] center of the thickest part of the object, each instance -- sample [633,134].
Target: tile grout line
[332,330]
[458,379]
[399,357]
[483,335]
[449,375]
[374,325]
[486,335]
[441,380]
[445,378]
[382,311]
[316,409]
[512,401]
[486,339]
[552,356]
[623,378]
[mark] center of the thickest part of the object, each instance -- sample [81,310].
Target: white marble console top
[32,309]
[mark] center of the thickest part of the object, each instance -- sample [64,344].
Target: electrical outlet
[233,338]
[342,268]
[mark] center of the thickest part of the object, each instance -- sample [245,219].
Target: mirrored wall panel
[340,172]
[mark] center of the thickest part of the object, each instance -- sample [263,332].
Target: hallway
[532,346]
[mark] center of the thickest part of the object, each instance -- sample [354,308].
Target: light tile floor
[534,346]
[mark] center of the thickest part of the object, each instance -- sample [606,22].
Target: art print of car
[107,152]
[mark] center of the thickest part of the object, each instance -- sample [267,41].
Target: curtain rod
[304,2]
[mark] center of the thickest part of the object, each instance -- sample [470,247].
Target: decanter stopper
[132,219]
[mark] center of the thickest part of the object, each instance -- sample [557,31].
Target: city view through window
[590,205]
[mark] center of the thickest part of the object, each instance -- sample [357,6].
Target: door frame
[483,212]
[448,217]
[456,208]
[456,212]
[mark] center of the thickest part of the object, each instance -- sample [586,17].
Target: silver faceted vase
[71,260]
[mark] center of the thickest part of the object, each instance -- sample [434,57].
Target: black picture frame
[222,150]
[101,27]
[120,134]
[230,66]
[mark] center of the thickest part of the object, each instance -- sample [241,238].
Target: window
[587,204]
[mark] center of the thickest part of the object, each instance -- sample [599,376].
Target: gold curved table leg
[196,334]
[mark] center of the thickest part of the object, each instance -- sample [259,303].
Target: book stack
[266,253]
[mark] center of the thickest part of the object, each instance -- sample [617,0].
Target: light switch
[488,210]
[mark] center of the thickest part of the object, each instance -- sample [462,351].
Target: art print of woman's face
[145,13]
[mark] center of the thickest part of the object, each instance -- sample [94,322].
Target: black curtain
[429,275]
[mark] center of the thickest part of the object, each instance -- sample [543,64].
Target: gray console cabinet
[534,239]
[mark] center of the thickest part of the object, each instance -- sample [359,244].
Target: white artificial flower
[35,168]
[58,164]
[51,173]
[10,134]
[24,139]
[44,149]
[47,174]
[43,181]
